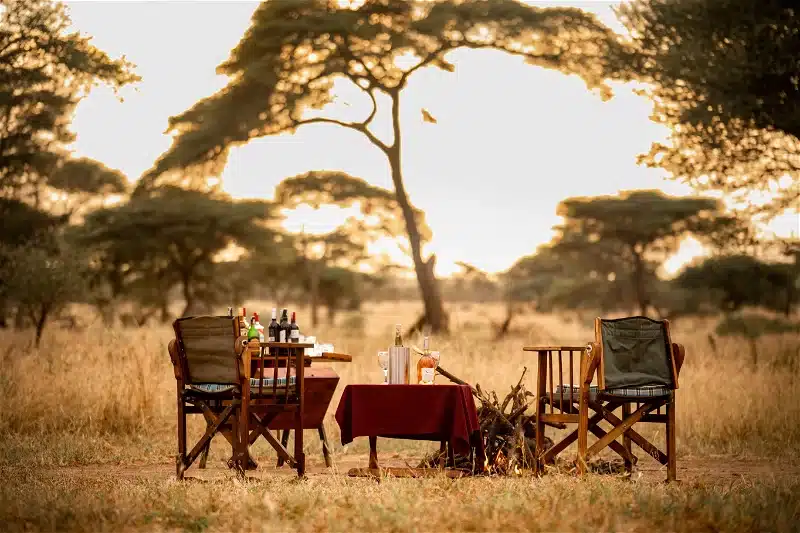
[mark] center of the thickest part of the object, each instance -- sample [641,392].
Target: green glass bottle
[252,332]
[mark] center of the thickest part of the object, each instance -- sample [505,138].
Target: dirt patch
[691,470]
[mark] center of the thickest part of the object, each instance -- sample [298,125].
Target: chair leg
[583,430]
[672,467]
[284,443]
[180,460]
[299,455]
[326,447]
[626,439]
[204,455]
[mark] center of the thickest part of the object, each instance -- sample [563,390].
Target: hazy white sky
[511,141]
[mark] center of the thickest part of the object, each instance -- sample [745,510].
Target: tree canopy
[174,235]
[44,72]
[724,78]
[742,280]
[293,51]
[628,236]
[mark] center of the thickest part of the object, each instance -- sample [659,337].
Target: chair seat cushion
[265,383]
[635,393]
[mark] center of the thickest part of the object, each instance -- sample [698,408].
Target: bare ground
[716,470]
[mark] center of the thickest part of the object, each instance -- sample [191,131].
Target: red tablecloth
[419,412]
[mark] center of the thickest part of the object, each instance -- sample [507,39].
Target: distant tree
[44,72]
[724,79]
[39,282]
[85,183]
[752,327]
[637,230]
[742,280]
[175,235]
[346,246]
[319,252]
[22,226]
[288,60]
[342,288]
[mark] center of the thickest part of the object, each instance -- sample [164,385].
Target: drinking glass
[383,361]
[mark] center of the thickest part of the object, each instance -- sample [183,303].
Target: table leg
[373,453]
[326,447]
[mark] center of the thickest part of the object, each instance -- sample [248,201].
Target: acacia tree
[741,280]
[637,229]
[344,248]
[44,72]
[294,50]
[84,183]
[174,236]
[723,75]
[39,282]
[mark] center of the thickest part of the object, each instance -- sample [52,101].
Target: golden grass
[107,397]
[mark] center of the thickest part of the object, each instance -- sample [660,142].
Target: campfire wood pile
[507,429]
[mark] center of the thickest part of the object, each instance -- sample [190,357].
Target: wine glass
[383,361]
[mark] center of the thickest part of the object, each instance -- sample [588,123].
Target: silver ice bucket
[399,365]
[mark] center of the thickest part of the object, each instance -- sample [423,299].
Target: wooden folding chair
[208,358]
[635,362]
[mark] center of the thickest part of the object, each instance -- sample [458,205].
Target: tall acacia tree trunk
[435,315]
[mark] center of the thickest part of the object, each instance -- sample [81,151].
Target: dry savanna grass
[87,440]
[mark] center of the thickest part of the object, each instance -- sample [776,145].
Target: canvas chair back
[636,351]
[208,348]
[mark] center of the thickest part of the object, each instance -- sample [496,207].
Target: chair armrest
[241,344]
[592,362]
[172,347]
[680,354]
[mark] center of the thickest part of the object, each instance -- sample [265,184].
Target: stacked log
[507,429]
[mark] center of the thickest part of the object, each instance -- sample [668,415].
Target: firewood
[509,435]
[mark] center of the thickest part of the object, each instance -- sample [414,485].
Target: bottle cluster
[284,330]
[428,361]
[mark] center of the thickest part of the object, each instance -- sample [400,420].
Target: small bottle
[398,338]
[252,331]
[273,328]
[294,329]
[426,366]
[259,327]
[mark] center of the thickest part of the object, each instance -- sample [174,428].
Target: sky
[511,140]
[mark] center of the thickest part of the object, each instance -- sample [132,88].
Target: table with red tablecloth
[443,413]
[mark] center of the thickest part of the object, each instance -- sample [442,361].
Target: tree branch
[344,46]
[357,126]
[433,56]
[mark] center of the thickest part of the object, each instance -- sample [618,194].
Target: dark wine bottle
[273,329]
[283,332]
[294,329]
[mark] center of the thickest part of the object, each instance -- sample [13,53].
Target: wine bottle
[398,338]
[273,328]
[283,332]
[426,366]
[259,327]
[294,329]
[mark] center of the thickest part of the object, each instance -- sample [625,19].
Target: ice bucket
[399,365]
